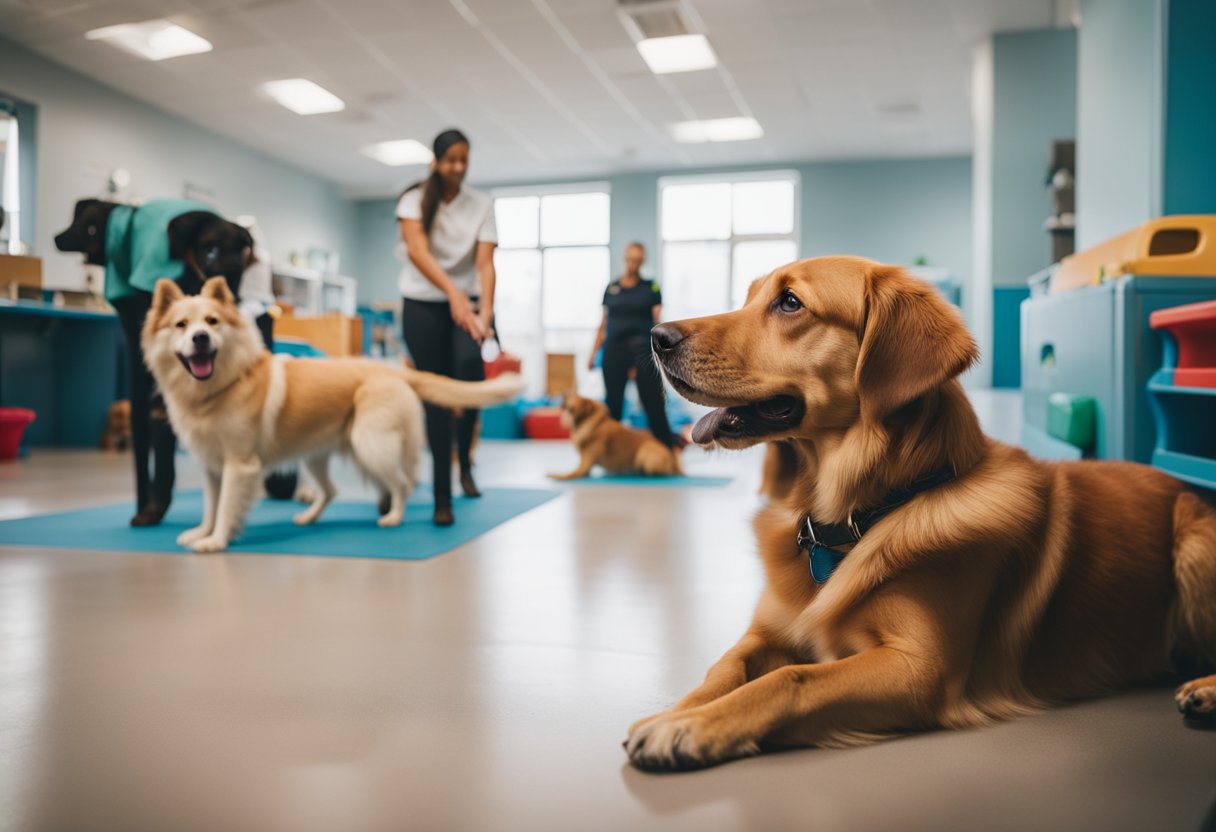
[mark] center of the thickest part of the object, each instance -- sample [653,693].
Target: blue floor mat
[692,481]
[346,529]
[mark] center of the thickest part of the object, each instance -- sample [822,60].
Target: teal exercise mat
[691,481]
[346,529]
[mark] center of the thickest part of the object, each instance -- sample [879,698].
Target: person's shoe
[468,485]
[150,514]
[443,513]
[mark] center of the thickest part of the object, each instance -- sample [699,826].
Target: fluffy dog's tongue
[713,423]
[201,365]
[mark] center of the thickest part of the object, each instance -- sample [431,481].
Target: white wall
[1119,78]
[85,130]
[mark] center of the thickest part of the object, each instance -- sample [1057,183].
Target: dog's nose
[665,337]
[201,339]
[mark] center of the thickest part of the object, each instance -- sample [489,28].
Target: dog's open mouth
[752,420]
[200,365]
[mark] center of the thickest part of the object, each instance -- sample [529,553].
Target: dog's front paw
[682,741]
[191,535]
[1197,699]
[210,543]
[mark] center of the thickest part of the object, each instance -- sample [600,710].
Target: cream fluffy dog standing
[240,409]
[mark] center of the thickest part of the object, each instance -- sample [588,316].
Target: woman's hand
[486,317]
[591,361]
[464,316]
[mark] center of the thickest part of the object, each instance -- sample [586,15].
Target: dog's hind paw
[391,520]
[682,741]
[1197,700]
[306,517]
[210,543]
[189,536]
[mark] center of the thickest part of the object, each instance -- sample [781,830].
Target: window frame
[559,189]
[733,178]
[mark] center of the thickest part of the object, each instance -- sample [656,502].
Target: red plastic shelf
[1194,329]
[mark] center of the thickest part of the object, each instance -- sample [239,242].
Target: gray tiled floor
[485,689]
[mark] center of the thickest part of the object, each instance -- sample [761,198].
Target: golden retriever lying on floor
[992,585]
[602,440]
[241,410]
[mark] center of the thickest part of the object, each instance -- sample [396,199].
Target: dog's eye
[180,324]
[788,302]
[212,320]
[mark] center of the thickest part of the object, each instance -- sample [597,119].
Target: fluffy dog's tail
[448,392]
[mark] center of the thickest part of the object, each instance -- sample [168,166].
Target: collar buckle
[806,534]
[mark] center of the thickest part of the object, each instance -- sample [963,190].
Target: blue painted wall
[1189,183]
[1034,103]
[1007,335]
[889,210]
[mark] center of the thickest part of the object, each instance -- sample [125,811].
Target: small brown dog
[602,440]
[117,433]
[919,574]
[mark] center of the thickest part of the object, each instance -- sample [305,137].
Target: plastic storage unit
[1091,336]
[1183,393]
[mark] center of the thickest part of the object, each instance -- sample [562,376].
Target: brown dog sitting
[602,440]
[919,574]
[117,433]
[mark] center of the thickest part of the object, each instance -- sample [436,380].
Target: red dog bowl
[13,421]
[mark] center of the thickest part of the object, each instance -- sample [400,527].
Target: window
[552,263]
[721,233]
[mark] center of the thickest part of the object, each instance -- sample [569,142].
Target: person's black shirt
[629,310]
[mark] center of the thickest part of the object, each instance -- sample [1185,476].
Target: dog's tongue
[707,428]
[200,365]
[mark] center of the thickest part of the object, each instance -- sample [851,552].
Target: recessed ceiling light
[679,53]
[717,130]
[303,96]
[399,152]
[152,39]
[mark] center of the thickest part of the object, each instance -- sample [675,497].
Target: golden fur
[602,440]
[1017,585]
[253,410]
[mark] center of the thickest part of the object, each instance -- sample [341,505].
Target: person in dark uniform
[632,306]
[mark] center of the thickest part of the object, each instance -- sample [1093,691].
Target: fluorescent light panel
[155,40]
[303,96]
[679,53]
[399,152]
[717,130]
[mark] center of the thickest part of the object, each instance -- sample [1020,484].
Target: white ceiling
[548,89]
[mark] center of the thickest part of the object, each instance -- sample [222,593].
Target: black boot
[443,511]
[467,484]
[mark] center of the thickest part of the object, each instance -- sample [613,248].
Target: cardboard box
[25,272]
[334,334]
[562,378]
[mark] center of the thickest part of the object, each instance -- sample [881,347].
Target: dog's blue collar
[822,540]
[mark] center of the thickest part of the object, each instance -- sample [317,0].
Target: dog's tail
[448,392]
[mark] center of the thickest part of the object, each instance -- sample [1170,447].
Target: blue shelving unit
[1186,423]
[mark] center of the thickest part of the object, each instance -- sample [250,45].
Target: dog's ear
[217,289]
[184,230]
[167,292]
[913,341]
[246,244]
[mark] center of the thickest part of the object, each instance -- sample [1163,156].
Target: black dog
[208,246]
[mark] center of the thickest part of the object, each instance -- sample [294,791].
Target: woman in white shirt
[447,288]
